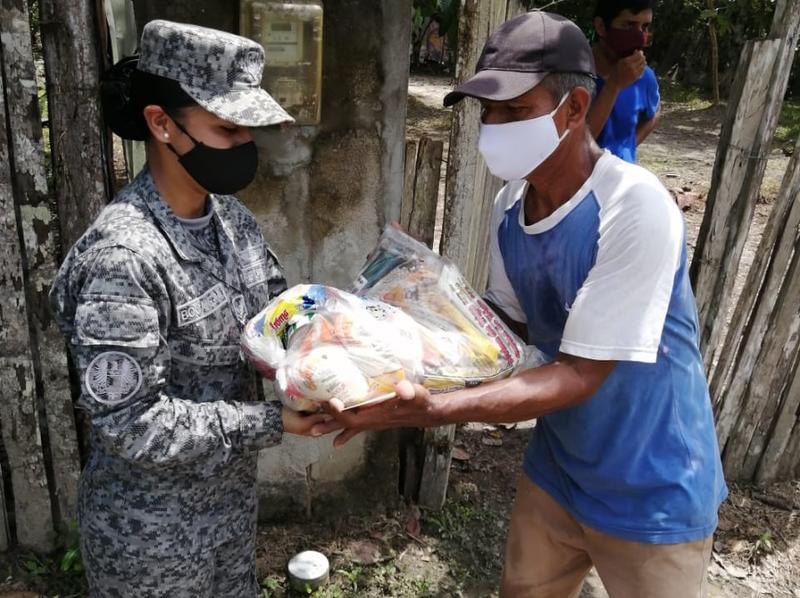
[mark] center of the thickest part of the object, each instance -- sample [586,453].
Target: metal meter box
[291,33]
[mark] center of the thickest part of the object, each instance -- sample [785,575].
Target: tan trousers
[549,553]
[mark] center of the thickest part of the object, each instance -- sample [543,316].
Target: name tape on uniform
[202,307]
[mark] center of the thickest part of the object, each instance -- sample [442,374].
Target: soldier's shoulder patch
[113,377]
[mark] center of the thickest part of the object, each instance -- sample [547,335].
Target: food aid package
[411,315]
[464,342]
[320,343]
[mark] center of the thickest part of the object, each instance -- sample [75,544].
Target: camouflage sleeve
[118,342]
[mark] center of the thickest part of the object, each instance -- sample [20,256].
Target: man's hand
[412,408]
[627,71]
[303,425]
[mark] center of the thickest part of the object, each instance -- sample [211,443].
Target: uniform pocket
[113,322]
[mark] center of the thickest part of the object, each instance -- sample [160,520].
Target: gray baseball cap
[220,71]
[521,53]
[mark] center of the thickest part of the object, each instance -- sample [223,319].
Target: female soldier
[152,300]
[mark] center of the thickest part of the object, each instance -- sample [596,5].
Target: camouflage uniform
[153,312]
[168,497]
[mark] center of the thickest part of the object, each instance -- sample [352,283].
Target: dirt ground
[459,551]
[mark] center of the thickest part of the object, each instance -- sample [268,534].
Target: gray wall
[322,197]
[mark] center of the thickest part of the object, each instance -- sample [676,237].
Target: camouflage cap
[220,71]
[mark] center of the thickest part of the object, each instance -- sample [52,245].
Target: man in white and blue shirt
[589,264]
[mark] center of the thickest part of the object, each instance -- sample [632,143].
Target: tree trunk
[39,225]
[714,47]
[19,415]
[77,134]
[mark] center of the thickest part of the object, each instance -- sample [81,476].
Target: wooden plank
[39,223]
[438,444]
[409,176]
[469,193]
[5,533]
[18,412]
[77,133]
[744,344]
[420,196]
[760,291]
[772,466]
[418,217]
[769,380]
[790,461]
[745,141]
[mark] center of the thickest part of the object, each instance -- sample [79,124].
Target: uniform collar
[226,269]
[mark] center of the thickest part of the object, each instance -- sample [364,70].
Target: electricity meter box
[291,33]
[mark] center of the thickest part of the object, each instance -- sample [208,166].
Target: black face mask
[219,171]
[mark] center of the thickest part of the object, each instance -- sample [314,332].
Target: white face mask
[514,150]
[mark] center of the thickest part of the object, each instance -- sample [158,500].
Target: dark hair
[125,91]
[609,9]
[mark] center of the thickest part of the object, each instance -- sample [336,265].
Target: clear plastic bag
[466,342]
[413,316]
[319,343]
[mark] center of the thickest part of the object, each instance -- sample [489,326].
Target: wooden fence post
[765,393]
[77,134]
[423,167]
[752,317]
[39,224]
[746,138]
[757,381]
[421,190]
[19,416]
[469,194]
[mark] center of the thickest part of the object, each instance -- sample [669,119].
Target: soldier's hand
[303,424]
[627,70]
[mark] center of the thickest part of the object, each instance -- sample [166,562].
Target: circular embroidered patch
[113,377]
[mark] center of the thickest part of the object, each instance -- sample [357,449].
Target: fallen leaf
[460,454]
[489,441]
[364,552]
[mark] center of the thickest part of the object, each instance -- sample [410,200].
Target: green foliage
[680,44]
[444,12]
[789,124]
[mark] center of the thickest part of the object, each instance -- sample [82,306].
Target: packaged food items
[318,343]
[465,342]
[412,316]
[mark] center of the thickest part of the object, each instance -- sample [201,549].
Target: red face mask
[624,42]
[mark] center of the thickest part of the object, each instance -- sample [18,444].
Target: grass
[789,122]
[692,98]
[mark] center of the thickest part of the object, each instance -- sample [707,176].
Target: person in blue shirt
[588,263]
[627,104]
